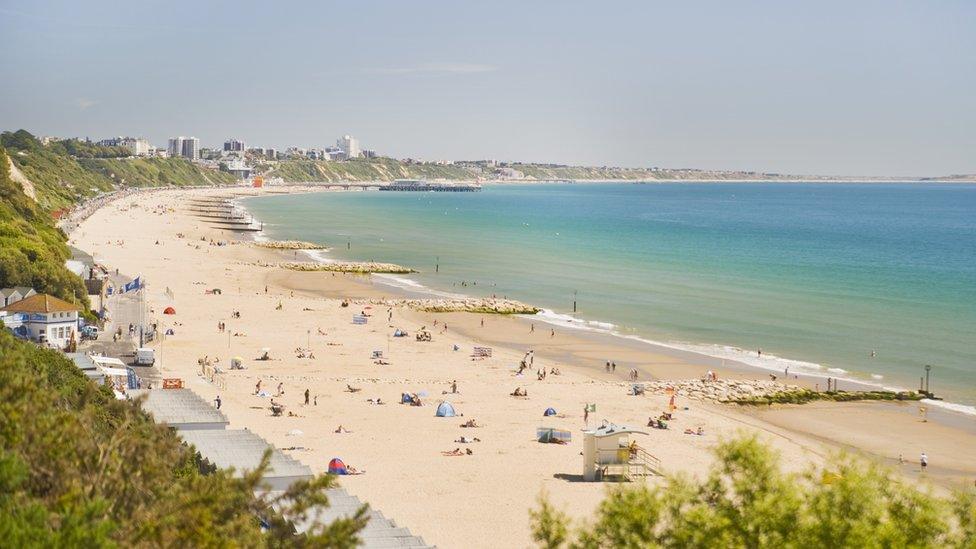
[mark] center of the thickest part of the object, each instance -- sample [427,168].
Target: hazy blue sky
[848,87]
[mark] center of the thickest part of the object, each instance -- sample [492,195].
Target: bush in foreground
[748,501]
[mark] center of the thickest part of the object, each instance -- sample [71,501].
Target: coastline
[713,356]
[509,468]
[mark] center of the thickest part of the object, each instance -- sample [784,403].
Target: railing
[629,464]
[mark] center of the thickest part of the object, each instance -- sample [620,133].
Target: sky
[833,88]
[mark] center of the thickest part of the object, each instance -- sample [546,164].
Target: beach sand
[449,501]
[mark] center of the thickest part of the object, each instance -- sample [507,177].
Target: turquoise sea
[816,275]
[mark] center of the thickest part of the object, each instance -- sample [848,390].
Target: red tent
[169,311]
[337,467]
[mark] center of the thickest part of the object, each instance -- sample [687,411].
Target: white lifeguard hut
[608,451]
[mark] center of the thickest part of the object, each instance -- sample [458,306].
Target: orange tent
[169,311]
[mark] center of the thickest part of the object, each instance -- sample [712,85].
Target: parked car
[89,332]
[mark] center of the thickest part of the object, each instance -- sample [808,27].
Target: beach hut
[337,467]
[549,412]
[169,311]
[609,452]
[445,409]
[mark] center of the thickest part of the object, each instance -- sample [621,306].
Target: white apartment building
[349,145]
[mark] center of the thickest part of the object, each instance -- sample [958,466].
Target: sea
[861,281]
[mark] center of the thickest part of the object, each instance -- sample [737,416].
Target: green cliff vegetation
[366,169]
[32,249]
[69,170]
[747,500]
[79,468]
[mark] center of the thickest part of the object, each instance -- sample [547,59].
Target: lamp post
[928,368]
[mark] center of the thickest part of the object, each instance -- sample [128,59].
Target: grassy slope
[32,249]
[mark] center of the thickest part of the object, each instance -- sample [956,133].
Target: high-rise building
[187,147]
[349,145]
[175,148]
[236,145]
[191,148]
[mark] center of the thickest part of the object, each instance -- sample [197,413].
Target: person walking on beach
[608,366]
[532,328]
[482,322]
[454,387]
[923,461]
[217,401]
[613,367]
[586,413]
[552,333]
[306,396]
[257,387]
[281,389]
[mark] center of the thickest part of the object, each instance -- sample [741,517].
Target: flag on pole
[134,285]
[591,407]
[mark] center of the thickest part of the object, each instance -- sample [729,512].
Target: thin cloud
[84,103]
[436,68]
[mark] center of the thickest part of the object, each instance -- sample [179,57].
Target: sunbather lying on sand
[458,452]
[340,430]
[471,423]
[699,432]
[351,389]
[520,392]
[466,440]
[377,401]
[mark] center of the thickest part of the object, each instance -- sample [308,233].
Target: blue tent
[549,412]
[444,409]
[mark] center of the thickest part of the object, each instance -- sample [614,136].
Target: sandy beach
[451,501]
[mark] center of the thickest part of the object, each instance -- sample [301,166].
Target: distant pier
[418,185]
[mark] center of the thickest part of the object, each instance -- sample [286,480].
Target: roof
[22,290]
[611,430]
[243,450]
[40,303]
[180,408]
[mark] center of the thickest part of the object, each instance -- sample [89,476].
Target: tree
[748,501]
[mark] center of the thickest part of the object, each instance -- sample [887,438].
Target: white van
[145,356]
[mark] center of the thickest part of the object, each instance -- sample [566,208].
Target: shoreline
[804,373]
[509,468]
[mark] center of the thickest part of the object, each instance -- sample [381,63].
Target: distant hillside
[64,172]
[363,169]
[387,169]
